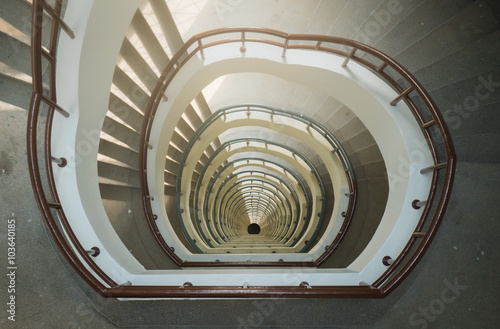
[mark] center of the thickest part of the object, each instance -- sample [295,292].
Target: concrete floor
[453,286]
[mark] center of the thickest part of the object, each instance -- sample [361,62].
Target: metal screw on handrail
[54,205]
[417,204]
[305,284]
[418,234]
[186,284]
[343,214]
[94,251]
[152,198]
[387,261]
[61,162]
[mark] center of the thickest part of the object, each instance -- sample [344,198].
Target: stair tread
[450,69]
[109,181]
[449,37]
[420,22]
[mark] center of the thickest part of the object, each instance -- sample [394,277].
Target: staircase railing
[248,109]
[390,71]
[47,198]
[81,258]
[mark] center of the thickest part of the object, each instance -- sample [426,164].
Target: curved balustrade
[264,144]
[83,262]
[249,110]
[295,177]
[196,45]
[72,250]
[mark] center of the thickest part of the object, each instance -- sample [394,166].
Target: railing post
[285,47]
[400,96]
[417,204]
[349,57]
[61,162]
[432,168]
[243,48]
[202,53]
[94,251]
[56,107]
[58,18]
[387,261]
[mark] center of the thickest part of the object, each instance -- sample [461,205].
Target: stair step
[138,64]
[15,54]
[119,153]
[419,23]
[495,7]
[327,108]
[167,25]
[339,118]
[449,37]
[359,141]
[353,16]
[15,91]
[150,41]
[125,112]
[108,181]
[13,33]
[483,148]
[17,13]
[121,133]
[351,128]
[325,13]
[369,154]
[130,88]
[115,162]
[372,198]
[387,16]
[371,170]
[116,175]
[450,69]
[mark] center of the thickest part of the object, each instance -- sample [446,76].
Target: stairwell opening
[253,228]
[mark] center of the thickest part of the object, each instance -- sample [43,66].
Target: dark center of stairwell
[253,228]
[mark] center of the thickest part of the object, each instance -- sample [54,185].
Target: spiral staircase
[172,174]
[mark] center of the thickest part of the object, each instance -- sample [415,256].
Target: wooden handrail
[176,65]
[32,152]
[100,281]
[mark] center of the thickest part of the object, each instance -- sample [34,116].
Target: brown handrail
[109,288]
[32,151]
[355,54]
